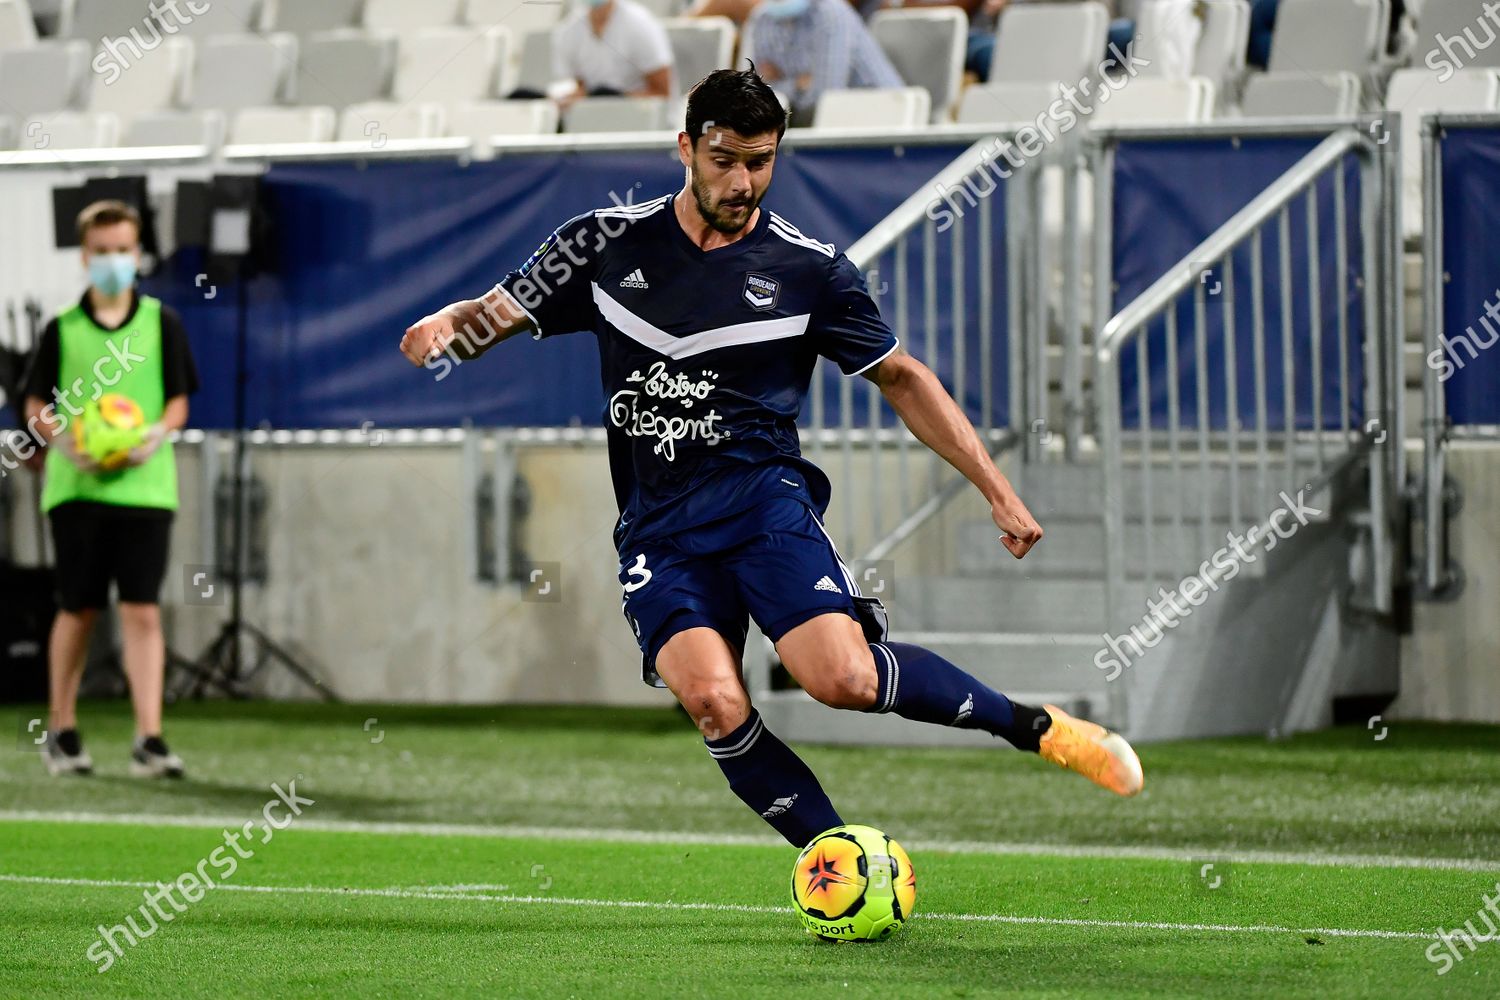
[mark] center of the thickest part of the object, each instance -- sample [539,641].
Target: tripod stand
[222,666]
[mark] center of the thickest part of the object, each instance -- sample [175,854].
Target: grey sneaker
[150,758]
[64,754]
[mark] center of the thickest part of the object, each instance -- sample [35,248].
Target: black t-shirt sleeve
[46,361]
[179,374]
[554,286]
[847,326]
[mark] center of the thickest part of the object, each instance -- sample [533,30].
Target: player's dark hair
[738,100]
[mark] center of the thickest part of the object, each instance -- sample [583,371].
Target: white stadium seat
[1321,36]
[17,30]
[450,64]
[700,45]
[513,14]
[242,71]
[1450,33]
[69,130]
[411,15]
[927,48]
[339,68]
[1050,41]
[48,76]
[379,121]
[1417,92]
[270,126]
[1153,100]
[1294,95]
[873,108]
[534,70]
[615,114]
[155,83]
[176,128]
[1007,103]
[94,20]
[480,120]
[1223,36]
[306,17]
[219,17]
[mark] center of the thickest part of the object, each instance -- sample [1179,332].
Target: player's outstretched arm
[464,329]
[918,396]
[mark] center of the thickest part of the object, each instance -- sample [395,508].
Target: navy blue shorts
[774,563]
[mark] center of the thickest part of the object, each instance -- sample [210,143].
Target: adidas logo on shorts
[635,279]
[828,585]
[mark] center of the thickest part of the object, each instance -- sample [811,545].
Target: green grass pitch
[546,852]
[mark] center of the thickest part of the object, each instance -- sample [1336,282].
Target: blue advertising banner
[1467,359]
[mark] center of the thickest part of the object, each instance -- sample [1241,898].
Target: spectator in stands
[612,47]
[804,47]
[737,11]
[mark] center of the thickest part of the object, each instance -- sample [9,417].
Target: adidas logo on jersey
[635,279]
[827,584]
[780,806]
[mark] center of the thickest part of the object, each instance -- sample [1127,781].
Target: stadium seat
[1220,53]
[1294,95]
[176,128]
[69,130]
[411,15]
[46,77]
[1154,100]
[308,17]
[7,132]
[153,84]
[450,64]
[700,45]
[874,108]
[93,20]
[518,17]
[1050,41]
[1417,92]
[927,48]
[271,126]
[17,30]
[1006,103]
[480,120]
[615,114]
[534,71]
[242,71]
[1323,36]
[221,17]
[1450,33]
[339,68]
[378,121]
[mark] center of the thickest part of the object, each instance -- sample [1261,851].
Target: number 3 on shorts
[639,574]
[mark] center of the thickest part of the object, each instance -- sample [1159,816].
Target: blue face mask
[782,9]
[112,273]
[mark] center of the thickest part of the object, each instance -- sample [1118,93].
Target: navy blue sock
[918,684]
[771,779]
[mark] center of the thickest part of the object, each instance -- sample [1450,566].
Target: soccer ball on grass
[853,883]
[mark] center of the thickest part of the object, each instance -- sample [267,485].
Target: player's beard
[714,214]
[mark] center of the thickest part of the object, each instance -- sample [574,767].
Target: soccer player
[710,311]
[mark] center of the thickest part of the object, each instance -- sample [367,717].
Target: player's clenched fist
[428,338]
[1021,529]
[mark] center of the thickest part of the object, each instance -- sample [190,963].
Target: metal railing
[1200,461]
[902,483]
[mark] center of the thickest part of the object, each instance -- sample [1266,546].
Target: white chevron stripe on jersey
[643,332]
[640,211]
[792,234]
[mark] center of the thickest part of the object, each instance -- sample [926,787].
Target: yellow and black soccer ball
[853,883]
[108,428]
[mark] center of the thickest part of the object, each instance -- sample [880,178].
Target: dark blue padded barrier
[364,249]
[1170,195]
[1471,257]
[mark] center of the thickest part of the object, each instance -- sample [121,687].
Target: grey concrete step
[1077,491]
[1021,661]
[1074,547]
[1004,603]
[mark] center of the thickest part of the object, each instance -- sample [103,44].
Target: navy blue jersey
[705,357]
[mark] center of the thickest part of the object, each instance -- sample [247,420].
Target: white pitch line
[646,904]
[606,835]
